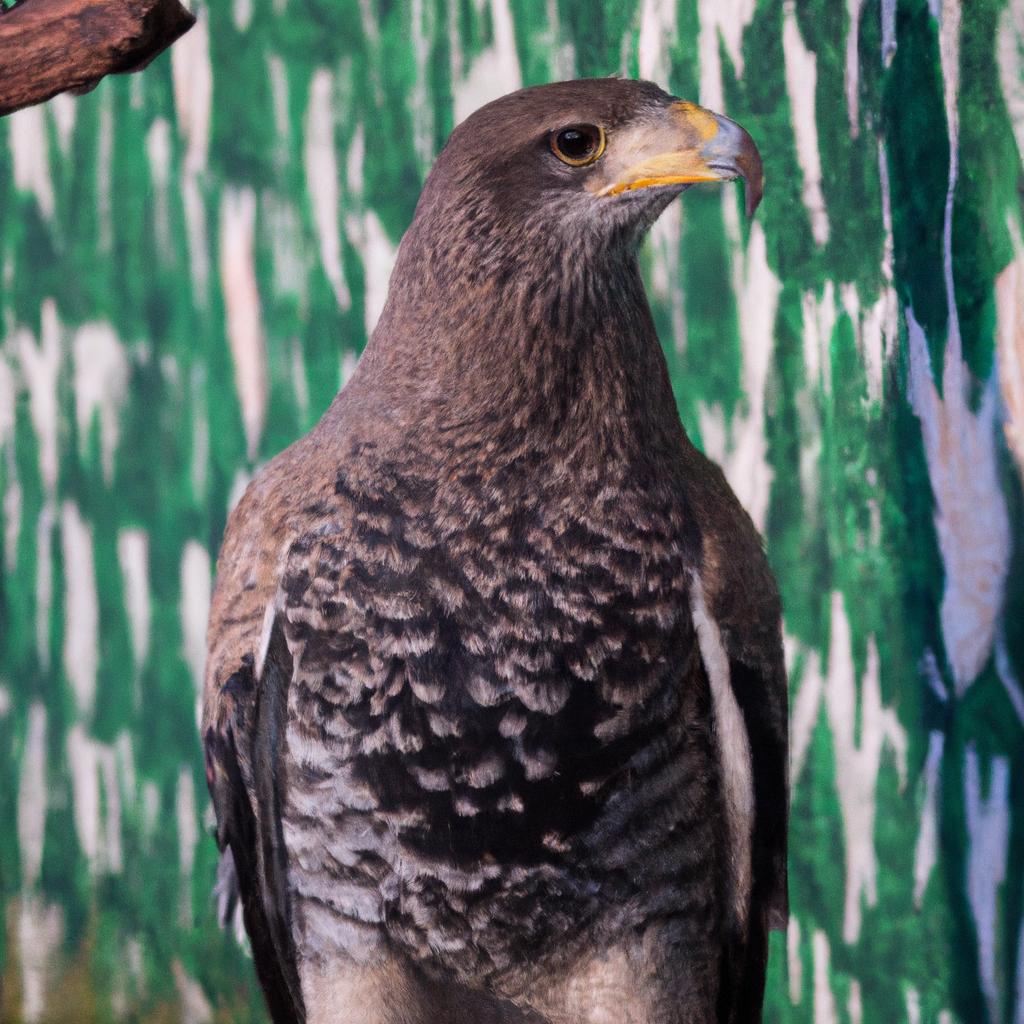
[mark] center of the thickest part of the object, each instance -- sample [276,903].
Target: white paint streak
[913,1001]
[875,333]
[158,152]
[238,486]
[195,608]
[988,830]
[44,579]
[30,156]
[493,72]
[926,851]
[137,91]
[188,838]
[794,962]
[971,520]
[1009,290]
[851,75]
[193,97]
[32,797]
[8,390]
[299,382]
[658,31]
[106,758]
[379,254]
[81,608]
[721,22]
[242,309]
[806,709]
[241,14]
[1010,58]
[819,321]
[125,755]
[825,1010]
[134,972]
[354,161]
[288,245]
[150,812]
[321,166]
[40,366]
[200,435]
[371,29]
[98,823]
[890,318]
[133,559]
[734,747]
[104,170]
[349,361]
[455,57]
[855,1003]
[664,241]
[857,764]
[888,31]
[64,109]
[559,48]
[101,385]
[366,233]
[801,86]
[757,290]
[949,56]
[40,934]
[195,1007]
[420,108]
[868,329]
[85,788]
[1004,669]
[12,497]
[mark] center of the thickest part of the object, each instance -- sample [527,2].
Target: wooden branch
[53,46]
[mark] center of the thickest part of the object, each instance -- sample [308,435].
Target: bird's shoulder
[272,511]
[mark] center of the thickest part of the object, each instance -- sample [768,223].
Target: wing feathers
[243,745]
[267,744]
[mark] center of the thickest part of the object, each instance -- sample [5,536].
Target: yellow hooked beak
[688,145]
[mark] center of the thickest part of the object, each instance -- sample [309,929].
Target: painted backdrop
[190,263]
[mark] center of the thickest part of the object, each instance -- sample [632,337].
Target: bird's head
[521,260]
[580,163]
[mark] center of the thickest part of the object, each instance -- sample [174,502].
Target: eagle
[495,711]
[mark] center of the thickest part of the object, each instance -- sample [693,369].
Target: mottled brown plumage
[495,711]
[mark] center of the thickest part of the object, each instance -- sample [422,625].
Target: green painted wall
[190,260]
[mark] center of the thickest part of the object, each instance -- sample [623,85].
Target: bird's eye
[578,145]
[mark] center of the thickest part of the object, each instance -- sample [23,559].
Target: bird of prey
[495,707]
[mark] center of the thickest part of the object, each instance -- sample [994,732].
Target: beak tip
[754,193]
[732,147]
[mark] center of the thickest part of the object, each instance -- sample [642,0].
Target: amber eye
[578,145]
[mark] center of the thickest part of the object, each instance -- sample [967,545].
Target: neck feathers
[517,328]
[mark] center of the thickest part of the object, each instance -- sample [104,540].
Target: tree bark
[53,46]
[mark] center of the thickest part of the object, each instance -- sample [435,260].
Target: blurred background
[191,260]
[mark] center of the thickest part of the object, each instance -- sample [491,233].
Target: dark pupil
[575,144]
